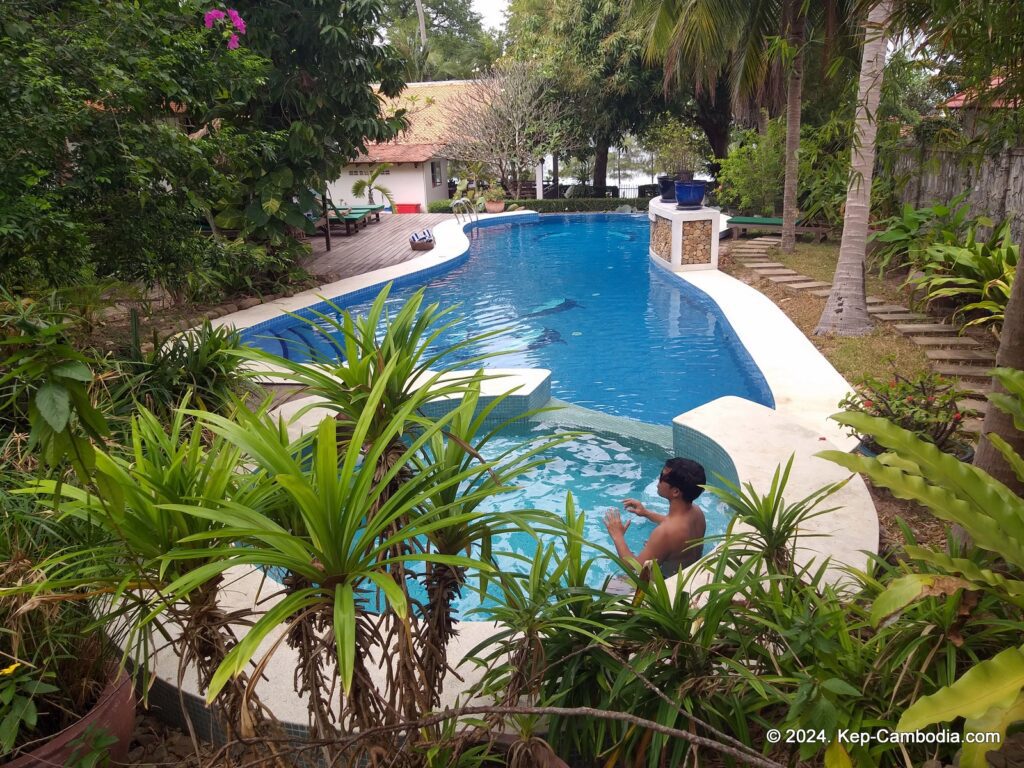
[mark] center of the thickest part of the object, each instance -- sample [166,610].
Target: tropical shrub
[977,275]
[824,171]
[139,545]
[925,405]
[562,205]
[988,693]
[379,494]
[52,666]
[750,180]
[679,148]
[369,185]
[906,237]
[45,382]
[203,363]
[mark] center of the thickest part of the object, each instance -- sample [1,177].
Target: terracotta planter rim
[57,746]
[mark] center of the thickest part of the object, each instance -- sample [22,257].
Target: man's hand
[636,507]
[613,522]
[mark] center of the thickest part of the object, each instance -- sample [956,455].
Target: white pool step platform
[758,440]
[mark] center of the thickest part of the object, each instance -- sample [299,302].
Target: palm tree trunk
[846,311]
[794,91]
[423,24]
[1010,355]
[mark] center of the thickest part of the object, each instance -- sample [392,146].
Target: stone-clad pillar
[686,239]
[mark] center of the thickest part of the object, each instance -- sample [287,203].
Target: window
[435,173]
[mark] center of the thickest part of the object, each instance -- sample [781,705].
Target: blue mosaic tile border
[369,292]
[511,408]
[695,445]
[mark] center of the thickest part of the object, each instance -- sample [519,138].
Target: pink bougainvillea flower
[233,42]
[236,20]
[212,15]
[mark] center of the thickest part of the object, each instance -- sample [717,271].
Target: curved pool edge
[805,386]
[451,245]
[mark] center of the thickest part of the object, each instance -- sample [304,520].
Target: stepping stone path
[960,357]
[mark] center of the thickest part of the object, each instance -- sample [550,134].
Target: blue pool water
[601,470]
[579,297]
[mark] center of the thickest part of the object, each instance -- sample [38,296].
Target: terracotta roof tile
[430,117]
[399,153]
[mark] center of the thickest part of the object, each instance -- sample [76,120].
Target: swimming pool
[579,297]
[600,469]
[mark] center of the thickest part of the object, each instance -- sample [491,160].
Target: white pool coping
[450,241]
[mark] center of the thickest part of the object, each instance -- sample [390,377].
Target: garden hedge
[570,204]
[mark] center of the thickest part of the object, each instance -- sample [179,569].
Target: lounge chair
[738,225]
[349,217]
[369,210]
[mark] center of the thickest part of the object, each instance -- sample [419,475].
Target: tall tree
[507,123]
[794,25]
[846,310]
[594,57]
[749,41]
[439,39]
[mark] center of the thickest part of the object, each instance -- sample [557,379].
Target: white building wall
[440,192]
[408,183]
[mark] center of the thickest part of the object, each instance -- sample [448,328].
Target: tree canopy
[126,124]
[458,47]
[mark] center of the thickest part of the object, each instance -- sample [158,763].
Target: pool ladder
[464,210]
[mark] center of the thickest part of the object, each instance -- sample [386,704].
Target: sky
[492,11]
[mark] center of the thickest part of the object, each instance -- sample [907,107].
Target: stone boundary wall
[995,186]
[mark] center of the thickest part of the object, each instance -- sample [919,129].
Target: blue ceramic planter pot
[689,194]
[667,185]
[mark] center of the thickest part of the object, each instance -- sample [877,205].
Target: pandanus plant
[460,449]
[150,544]
[395,493]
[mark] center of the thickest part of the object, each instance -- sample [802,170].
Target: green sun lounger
[369,210]
[350,218]
[738,225]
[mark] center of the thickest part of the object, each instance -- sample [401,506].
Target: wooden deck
[378,244]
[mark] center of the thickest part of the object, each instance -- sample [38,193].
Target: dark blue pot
[667,185]
[689,194]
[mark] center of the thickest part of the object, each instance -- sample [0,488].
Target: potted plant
[680,151]
[62,693]
[925,405]
[494,199]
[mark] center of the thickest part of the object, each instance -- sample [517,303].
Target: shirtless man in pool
[676,542]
